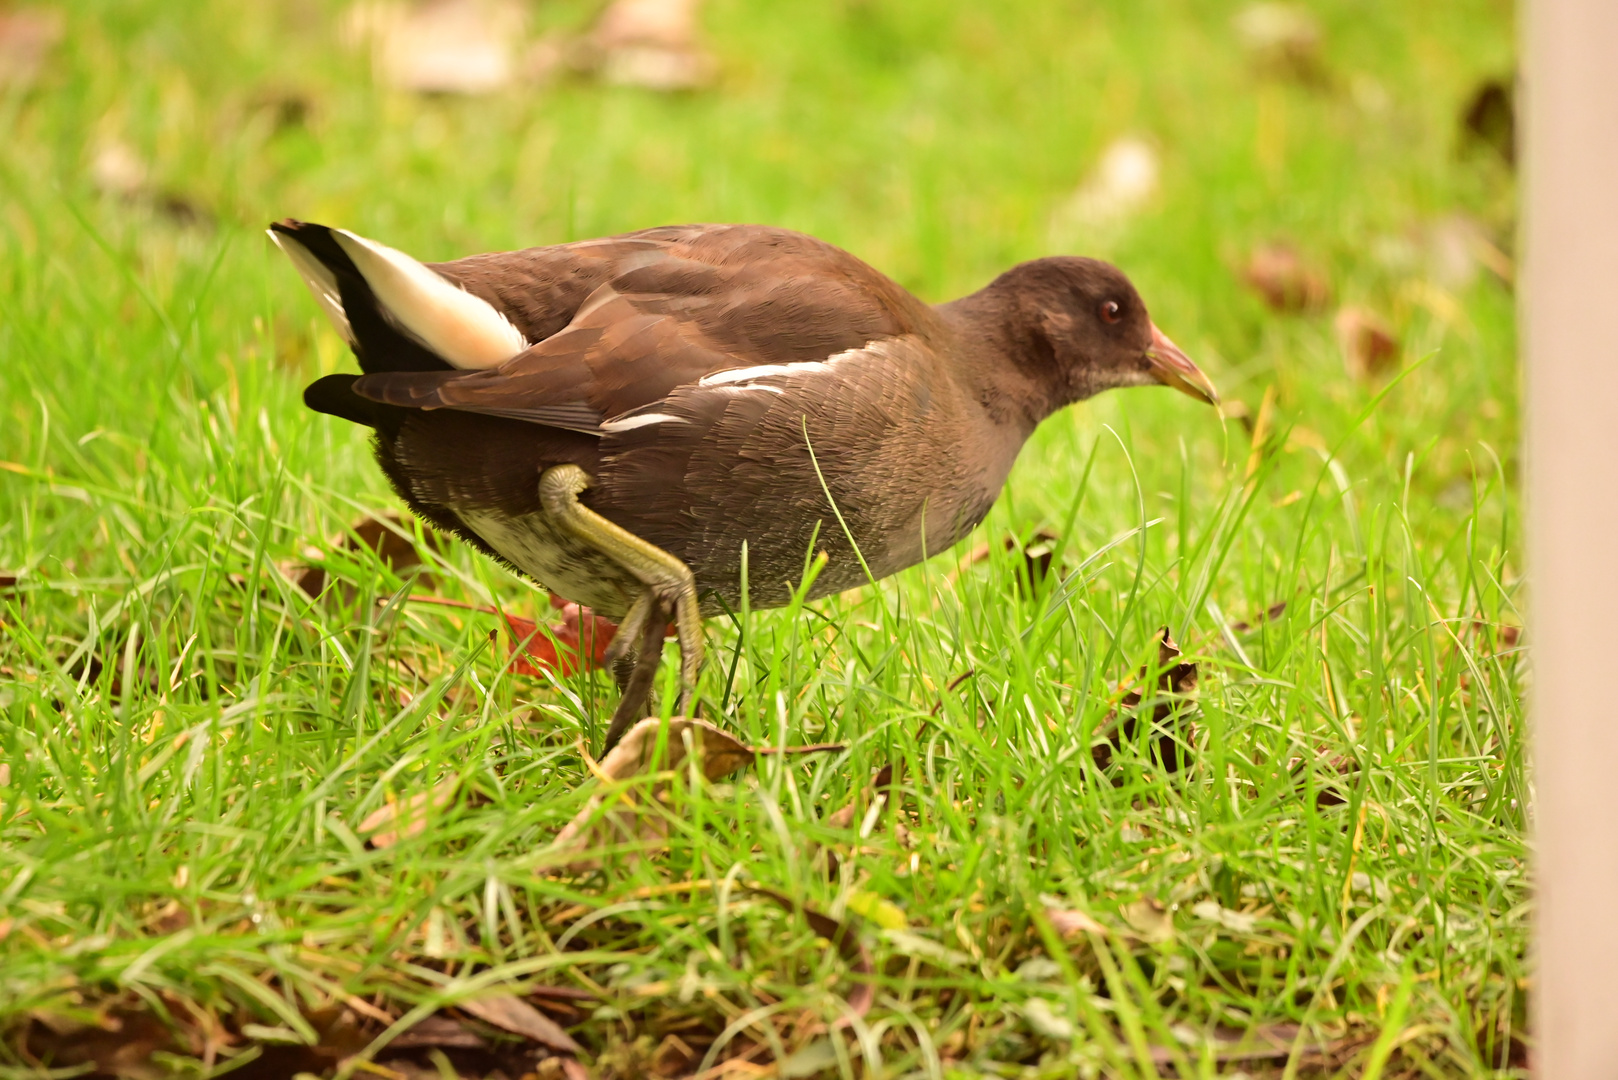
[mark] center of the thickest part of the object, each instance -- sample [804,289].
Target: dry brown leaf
[1333,779]
[1270,1042]
[1369,347]
[718,754]
[1070,921]
[844,937]
[652,44]
[117,169]
[440,46]
[392,822]
[1176,682]
[1490,117]
[388,535]
[881,782]
[1279,274]
[1037,554]
[1282,40]
[119,1040]
[1236,409]
[1123,182]
[440,1031]
[1150,919]
[1269,614]
[674,1057]
[510,1013]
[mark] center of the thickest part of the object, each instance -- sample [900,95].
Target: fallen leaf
[578,643]
[652,44]
[115,1039]
[1270,1042]
[817,1058]
[116,169]
[1124,180]
[1149,918]
[843,817]
[1236,409]
[1070,921]
[675,1057]
[27,37]
[877,909]
[386,535]
[1176,683]
[440,1031]
[1237,922]
[717,753]
[844,937]
[1282,40]
[1505,636]
[1332,773]
[1042,1016]
[1279,274]
[510,1013]
[1269,614]
[284,107]
[440,46]
[1368,345]
[392,822]
[1037,554]
[1490,118]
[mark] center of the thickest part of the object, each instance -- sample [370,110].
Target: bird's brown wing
[681,303]
[761,455]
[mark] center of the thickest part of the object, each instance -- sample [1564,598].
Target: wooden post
[1569,318]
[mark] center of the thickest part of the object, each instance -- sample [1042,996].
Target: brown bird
[651,423]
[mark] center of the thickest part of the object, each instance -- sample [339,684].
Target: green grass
[191,743]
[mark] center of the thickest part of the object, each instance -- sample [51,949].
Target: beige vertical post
[1569,308]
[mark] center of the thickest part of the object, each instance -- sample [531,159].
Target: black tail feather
[334,395]
[379,345]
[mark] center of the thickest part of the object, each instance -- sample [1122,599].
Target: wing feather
[682,305]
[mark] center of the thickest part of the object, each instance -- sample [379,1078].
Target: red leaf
[578,643]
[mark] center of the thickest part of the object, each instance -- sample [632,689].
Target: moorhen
[648,424]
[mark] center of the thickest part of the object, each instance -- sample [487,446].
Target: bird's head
[1088,329]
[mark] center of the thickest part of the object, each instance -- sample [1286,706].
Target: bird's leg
[620,655]
[637,688]
[668,581]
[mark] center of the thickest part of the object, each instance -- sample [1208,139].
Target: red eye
[1111,312]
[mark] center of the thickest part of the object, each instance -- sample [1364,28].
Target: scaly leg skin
[668,581]
[620,655]
[637,689]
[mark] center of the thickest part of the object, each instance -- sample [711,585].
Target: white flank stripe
[803,367]
[460,327]
[321,281]
[630,423]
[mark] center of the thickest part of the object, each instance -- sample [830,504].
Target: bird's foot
[669,589]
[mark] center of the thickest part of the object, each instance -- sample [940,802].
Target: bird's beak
[1171,367]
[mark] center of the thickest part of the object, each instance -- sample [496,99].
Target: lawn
[1331,883]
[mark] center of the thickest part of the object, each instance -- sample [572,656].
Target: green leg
[668,581]
[636,686]
[620,655]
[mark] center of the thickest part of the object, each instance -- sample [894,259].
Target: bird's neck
[1000,357]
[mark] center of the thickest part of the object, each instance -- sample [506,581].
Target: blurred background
[1308,195]
[1317,202]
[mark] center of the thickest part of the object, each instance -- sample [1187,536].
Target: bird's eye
[1111,312]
